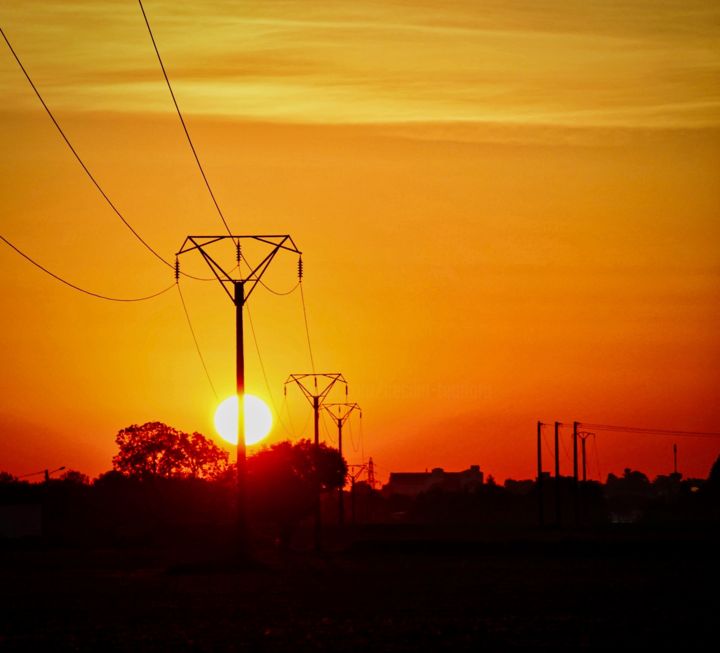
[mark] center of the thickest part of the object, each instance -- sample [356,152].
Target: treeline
[166,484]
[629,498]
[169,485]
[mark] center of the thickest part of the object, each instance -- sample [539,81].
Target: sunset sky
[508,211]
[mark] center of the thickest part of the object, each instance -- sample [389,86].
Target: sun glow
[258,419]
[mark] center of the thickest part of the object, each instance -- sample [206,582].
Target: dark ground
[392,590]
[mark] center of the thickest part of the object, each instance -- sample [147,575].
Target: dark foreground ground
[389,591]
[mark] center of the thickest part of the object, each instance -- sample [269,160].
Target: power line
[355,445]
[636,429]
[182,120]
[362,440]
[277,292]
[307,330]
[328,436]
[89,174]
[597,457]
[302,298]
[264,373]
[243,261]
[78,288]
[565,450]
[548,448]
[195,340]
[77,156]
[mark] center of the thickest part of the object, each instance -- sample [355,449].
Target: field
[384,591]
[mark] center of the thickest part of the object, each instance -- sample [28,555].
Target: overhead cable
[182,120]
[78,288]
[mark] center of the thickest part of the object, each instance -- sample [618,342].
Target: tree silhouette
[156,449]
[75,477]
[283,480]
[204,459]
[713,481]
[714,475]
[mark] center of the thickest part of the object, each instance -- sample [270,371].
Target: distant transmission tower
[340,414]
[354,472]
[584,435]
[315,388]
[238,288]
[541,499]
[371,473]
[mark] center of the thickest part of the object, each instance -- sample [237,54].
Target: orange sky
[508,212]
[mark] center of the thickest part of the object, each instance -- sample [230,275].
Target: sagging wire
[264,373]
[78,288]
[195,340]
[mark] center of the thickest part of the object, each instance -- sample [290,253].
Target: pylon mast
[354,472]
[371,473]
[584,435]
[340,414]
[539,485]
[315,388]
[238,287]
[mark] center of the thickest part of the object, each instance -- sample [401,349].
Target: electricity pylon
[371,473]
[557,473]
[340,414]
[354,472]
[541,500]
[239,288]
[316,393]
[584,435]
[576,492]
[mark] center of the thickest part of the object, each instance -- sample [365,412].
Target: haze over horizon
[507,213]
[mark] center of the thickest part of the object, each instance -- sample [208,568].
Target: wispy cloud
[561,62]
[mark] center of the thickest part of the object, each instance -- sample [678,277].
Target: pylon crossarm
[208,240]
[216,269]
[360,470]
[340,414]
[265,238]
[308,395]
[220,273]
[281,245]
[253,279]
[332,379]
[201,243]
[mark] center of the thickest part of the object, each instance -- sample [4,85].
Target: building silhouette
[411,484]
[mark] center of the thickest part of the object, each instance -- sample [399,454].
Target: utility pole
[47,473]
[541,504]
[239,286]
[340,414]
[575,472]
[675,459]
[354,475]
[584,435]
[315,388]
[557,473]
[581,493]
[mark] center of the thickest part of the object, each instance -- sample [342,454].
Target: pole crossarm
[341,412]
[318,391]
[252,278]
[359,470]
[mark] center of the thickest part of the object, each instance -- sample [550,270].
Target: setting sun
[258,419]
